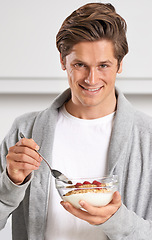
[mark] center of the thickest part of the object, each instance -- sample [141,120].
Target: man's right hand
[22,159]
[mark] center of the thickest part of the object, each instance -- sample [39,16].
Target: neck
[91,112]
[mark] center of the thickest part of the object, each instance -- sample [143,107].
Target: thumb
[116,198]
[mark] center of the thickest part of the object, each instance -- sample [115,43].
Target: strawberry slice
[86,182]
[78,185]
[96,183]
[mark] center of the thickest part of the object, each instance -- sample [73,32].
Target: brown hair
[92,22]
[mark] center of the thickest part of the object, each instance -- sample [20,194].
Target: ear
[120,67]
[62,63]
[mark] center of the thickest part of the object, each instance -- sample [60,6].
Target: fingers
[28,143]
[95,215]
[30,160]
[105,211]
[116,198]
[83,215]
[76,212]
[22,153]
[22,159]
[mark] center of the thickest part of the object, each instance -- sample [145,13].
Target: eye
[79,65]
[103,66]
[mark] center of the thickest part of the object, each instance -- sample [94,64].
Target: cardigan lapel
[39,192]
[43,134]
[121,132]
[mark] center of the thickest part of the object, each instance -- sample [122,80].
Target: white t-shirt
[80,150]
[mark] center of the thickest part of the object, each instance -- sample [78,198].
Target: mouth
[91,89]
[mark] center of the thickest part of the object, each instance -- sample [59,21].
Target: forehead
[100,50]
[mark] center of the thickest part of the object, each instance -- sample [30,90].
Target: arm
[126,224]
[17,164]
[10,196]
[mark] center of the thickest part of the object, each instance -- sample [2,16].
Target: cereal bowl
[96,191]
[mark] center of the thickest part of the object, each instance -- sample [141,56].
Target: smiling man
[89,131]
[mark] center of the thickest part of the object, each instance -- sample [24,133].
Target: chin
[90,104]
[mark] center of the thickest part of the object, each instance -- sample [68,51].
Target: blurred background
[30,73]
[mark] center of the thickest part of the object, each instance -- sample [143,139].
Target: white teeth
[92,89]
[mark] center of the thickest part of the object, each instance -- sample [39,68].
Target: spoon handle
[22,136]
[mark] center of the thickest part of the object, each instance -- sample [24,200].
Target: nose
[93,77]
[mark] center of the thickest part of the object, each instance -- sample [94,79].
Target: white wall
[28,30]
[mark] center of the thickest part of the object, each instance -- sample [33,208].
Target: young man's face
[91,69]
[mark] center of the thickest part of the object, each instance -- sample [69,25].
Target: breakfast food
[96,193]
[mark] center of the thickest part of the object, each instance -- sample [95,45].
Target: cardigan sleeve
[11,194]
[10,197]
[126,224]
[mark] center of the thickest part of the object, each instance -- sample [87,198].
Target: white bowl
[96,191]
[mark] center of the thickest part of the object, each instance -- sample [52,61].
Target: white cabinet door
[28,29]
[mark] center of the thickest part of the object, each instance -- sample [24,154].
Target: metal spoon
[55,173]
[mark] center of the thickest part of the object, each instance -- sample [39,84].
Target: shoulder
[24,123]
[40,119]
[143,122]
[27,117]
[128,113]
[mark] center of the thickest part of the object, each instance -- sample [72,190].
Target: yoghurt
[95,194]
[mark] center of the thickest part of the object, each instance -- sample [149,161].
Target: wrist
[27,178]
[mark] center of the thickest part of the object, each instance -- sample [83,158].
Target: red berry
[96,183]
[78,185]
[86,182]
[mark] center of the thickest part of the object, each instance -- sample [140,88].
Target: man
[90,130]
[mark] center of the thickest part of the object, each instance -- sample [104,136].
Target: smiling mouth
[91,89]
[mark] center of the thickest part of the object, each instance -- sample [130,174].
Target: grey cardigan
[129,156]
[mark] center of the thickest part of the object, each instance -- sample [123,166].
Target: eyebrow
[106,61]
[99,63]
